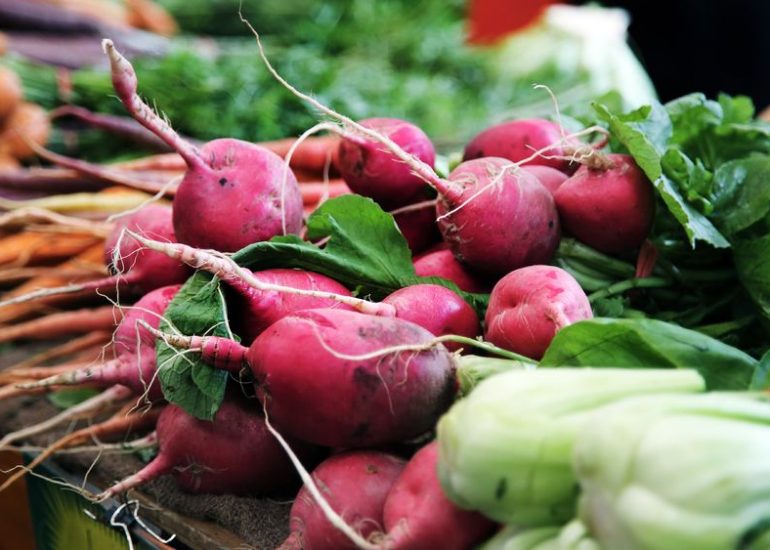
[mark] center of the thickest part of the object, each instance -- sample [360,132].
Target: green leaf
[635,343]
[752,263]
[64,399]
[645,141]
[741,194]
[185,379]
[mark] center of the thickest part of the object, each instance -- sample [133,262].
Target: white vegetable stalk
[505,450]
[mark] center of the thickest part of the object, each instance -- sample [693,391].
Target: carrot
[171,162]
[31,248]
[120,423]
[94,255]
[24,217]
[312,154]
[27,123]
[87,347]
[16,275]
[313,192]
[61,324]
[105,202]
[10,91]
[8,163]
[144,14]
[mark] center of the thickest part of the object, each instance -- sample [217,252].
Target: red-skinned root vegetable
[487,191]
[255,310]
[529,306]
[234,453]
[437,309]
[516,140]
[137,269]
[372,171]
[355,484]
[510,224]
[234,193]
[610,209]
[418,516]
[417,222]
[361,380]
[442,263]
[135,363]
[550,178]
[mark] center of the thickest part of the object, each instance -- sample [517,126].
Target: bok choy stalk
[689,471]
[505,450]
[574,536]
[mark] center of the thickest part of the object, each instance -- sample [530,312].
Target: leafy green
[198,309]
[644,134]
[752,263]
[741,194]
[633,343]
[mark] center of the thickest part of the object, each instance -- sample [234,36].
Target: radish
[437,309]
[529,306]
[234,193]
[135,362]
[550,178]
[355,484]
[137,270]
[374,172]
[255,310]
[442,263]
[234,453]
[418,516]
[609,207]
[417,222]
[492,219]
[496,220]
[361,380]
[517,140]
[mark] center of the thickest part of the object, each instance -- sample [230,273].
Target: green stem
[623,286]
[588,278]
[570,248]
[715,330]
[491,348]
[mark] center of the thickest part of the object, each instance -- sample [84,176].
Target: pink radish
[234,193]
[234,453]
[529,306]
[417,222]
[355,484]
[372,171]
[442,263]
[418,516]
[437,309]
[135,364]
[516,140]
[361,380]
[550,178]
[610,209]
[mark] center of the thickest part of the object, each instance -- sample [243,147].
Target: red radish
[550,178]
[355,484]
[492,219]
[436,309]
[135,362]
[255,310]
[235,453]
[495,219]
[138,270]
[234,193]
[529,306]
[417,222]
[442,263]
[345,379]
[610,209]
[517,140]
[418,516]
[372,171]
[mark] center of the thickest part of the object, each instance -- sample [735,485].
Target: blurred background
[451,66]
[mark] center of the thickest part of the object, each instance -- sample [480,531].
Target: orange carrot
[33,247]
[60,324]
[27,123]
[313,192]
[88,348]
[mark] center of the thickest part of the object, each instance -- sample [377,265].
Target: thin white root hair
[66,485]
[124,447]
[414,207]
[124,526]
[334,518]
[556,109]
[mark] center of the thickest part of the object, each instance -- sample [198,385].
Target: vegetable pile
[567,348]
